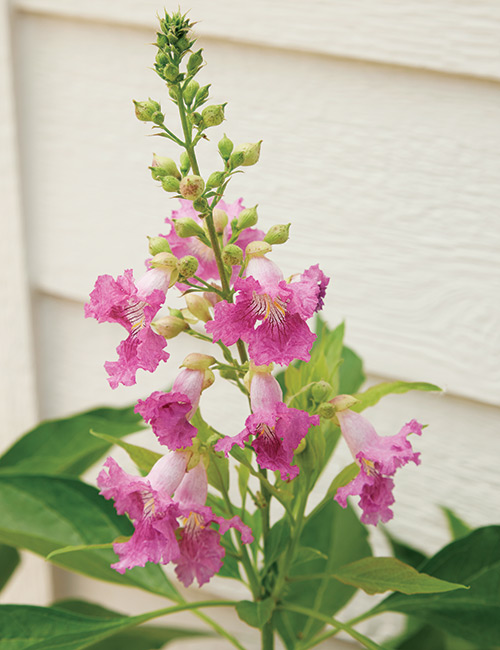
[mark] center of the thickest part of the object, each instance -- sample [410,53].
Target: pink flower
[132,305]
[277,429]
[270,314]
[149,505]
[169,413]
[201,553]
[207,266]
[171,522]
[378,458]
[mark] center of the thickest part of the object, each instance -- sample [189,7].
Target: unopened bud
[201,205]
[250,151]
[215,180]
[164,166]
[191,187]
[191,90]
[173,91]
[188,316]
[158,117]
[185,163]
[232,255]
[326,410]
[228,373]
[170,326]
[236,159]
[171,72]
[213,115]
[198,361]
[220,220]
[257,248]
[170,184]
[247,218]
[343,402]
[320,391]
[194,62]
[302,446]
[277,234]
[225,147]
[164,260]
[158,245]
[202,95]
[144,111]
[196,119]
[208,379]
[198,306]
[187,227]
[187,266]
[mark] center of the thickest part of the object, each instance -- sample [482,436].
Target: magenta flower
[378,458]
[207,266]
[132,305]
[149,505]
[169,413]
[270,314]
[200,549]
[171,522]
[276,429]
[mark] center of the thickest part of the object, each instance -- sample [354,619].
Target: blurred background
[381,144]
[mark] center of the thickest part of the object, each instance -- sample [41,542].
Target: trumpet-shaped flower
[270,314]
[171,522]
[276,430]
[378,458]
[169,413]
[133,305]
[207,266]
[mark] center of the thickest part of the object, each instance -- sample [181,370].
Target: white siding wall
[381,133]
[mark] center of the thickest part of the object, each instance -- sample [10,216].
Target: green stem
[171,135]
[186,129]
[327,635]
[219,629]
[209,220]
[267,636]
[311,613]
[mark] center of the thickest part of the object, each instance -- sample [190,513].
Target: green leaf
[351,375]
[142,457]
[458,528]
[9,561]
[472,614]
[218,467]
[276,542]
[378,574]
[339,538]
[344,477]
[405,553]
[374,394]
[146,637]
[45,513]
[255,614]
[64,446]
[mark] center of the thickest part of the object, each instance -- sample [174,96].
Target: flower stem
[267,636]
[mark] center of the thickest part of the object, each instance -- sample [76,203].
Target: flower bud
[215,180]
[164,166]
[191,187]
[247,218]
[198,361]
[225,147]
[302,446]
[187,227]
[257,248]
[320,391]
[208,379]
[173,91]
[202,95]
[232,255]
[161,58]
[201,205]
[326,410]
[144,111]
[158,245]
[171,72]
[250,151]
[185,163]
[277,234]
[187,266]
[213,115]
[170,184]
[220,220]
[343,402]
[191,90]
[170,326]
[236,159]
[158,117]
[188,316]
[194,62]
[196,119]
[164,260]
[228,373]
[198,306]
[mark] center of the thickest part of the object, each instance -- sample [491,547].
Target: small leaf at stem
[255,614]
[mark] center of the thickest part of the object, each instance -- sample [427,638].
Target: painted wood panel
[396,169]
[445,35]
